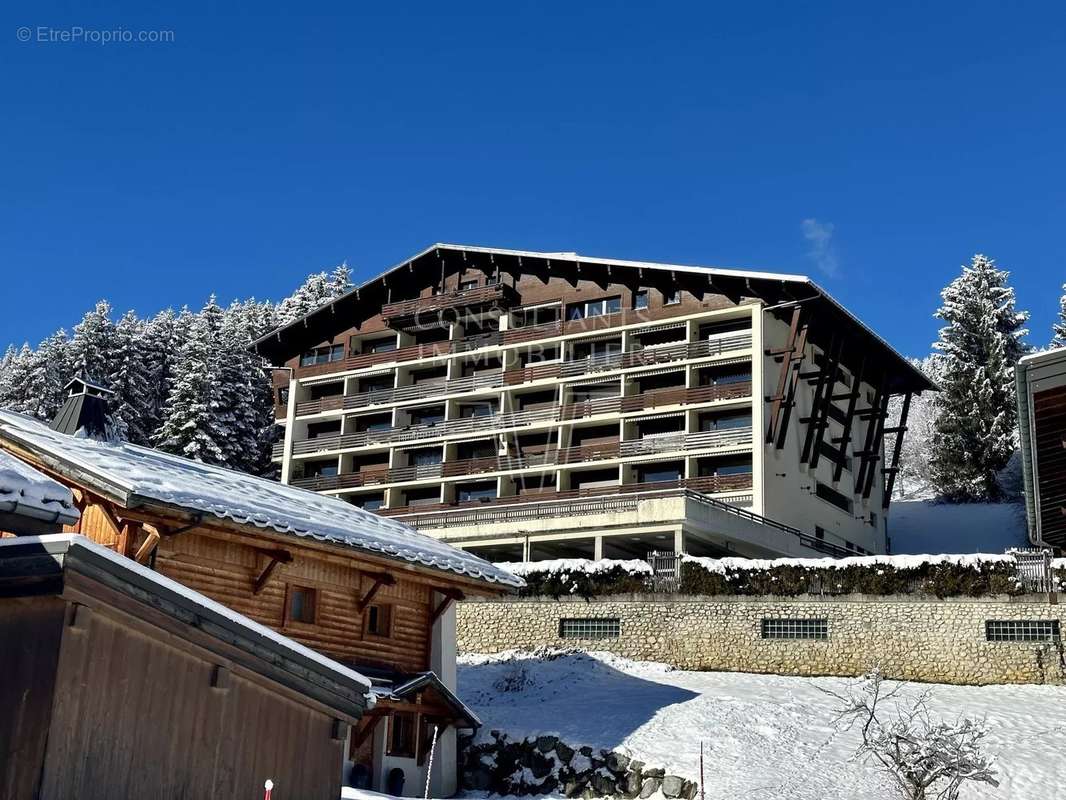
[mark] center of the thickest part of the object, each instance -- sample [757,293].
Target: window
[590,628]
[424,458]
[379,346]
[734,469]
[464,285]
[600,350]
[726,422]
[831,495]
[302,604]
[1022,630]
[427,416]
[402,734]
[283,396]
[594,308]
[873,519]
[671,297]
[369,502]
[640,299]
[379,620]
[486,408]
[542,315]
[322,355]
[472,492]
[795,628]
[658,473]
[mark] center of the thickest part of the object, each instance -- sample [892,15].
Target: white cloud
[819,236]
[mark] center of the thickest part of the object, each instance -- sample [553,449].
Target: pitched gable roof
[773,287]
[142,476]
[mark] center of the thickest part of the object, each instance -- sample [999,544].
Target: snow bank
[761,734]
[586,566]
[725,566]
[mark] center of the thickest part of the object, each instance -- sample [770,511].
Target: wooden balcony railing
[607,405]
[709,440]
[712,484]
[564,369]
[407,311]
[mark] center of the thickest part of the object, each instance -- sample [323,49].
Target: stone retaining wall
[909,637]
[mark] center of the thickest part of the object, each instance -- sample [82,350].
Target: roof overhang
[777,290]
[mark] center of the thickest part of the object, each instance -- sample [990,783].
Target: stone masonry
[909,637]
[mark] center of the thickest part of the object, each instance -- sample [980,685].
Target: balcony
[498,422]
[714,484]
[400,394]
[424,311]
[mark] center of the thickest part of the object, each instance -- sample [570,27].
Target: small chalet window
[640,299]
[672,297]
[402,734]
[379,620]
[464,285]
[283,396]
[302,604]
[322,355]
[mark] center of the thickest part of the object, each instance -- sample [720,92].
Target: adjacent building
[121,684]
[367,592]
[1041,382]
[527,405]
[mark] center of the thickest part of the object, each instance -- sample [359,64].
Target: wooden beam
[849,420]
[373,719]
[380,579]
[151,541]
[450,596]
[823,398]
[276,557]
[892,469]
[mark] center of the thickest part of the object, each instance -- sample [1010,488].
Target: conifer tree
[93,348]
[195,420]
[18,367]
[50,371]
[128,380]
[1058,328]
[975,432]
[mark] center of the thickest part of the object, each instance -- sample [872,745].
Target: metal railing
[1033,569]
[477,296]
[665,570]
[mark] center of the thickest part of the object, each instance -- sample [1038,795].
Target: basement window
[590,628]
[302,604]
[1022,630]
[773,628]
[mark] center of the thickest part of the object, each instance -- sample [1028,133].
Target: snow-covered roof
[26,492]
[62,545]
[816,291]
[137,475]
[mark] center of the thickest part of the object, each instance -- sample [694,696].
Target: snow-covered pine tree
[1058,328]
[15,379]
[93,348]
[915,479]
[317,290]
[975,432]
[196,423]
[129,380]
[246,388]
[50,370]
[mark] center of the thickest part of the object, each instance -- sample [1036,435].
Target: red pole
[268,788]
[703,796]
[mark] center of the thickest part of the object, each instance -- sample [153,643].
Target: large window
[380,345]
[657,473]
[541,315]
[322,355]
[590,628]
[725,422]
[594,308]
[471,492]
[424,457]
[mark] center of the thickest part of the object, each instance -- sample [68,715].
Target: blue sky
[874,149]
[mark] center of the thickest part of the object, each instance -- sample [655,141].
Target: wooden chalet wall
[227,566]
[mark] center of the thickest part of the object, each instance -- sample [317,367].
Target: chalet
[528,405]
[1041,391]
[120,684]
[368,592]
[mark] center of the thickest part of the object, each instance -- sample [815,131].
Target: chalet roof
[407,686]
[44,559]
[141,476]
[773,287]
[26,492]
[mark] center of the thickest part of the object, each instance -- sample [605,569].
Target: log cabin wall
[227,571]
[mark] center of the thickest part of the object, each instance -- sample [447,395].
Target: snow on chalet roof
[25,491]
[137,475]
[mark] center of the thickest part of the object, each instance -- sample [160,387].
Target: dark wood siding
[1050,426]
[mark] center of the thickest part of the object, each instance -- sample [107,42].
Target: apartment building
[527,405]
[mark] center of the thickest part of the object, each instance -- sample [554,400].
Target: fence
[1033,565]
[665,570]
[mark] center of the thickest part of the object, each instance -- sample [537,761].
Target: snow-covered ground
[766,737]
[923,526]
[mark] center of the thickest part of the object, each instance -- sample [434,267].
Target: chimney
[85,409]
